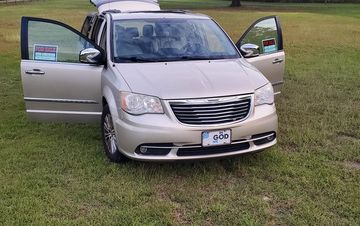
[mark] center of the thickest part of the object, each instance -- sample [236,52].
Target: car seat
[126,43]
[148,42]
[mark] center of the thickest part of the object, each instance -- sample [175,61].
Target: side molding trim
[60,100]
[64,112]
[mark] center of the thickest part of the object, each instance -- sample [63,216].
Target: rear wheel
[109,137]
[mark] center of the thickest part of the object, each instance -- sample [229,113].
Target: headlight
[137,104]
[264,95]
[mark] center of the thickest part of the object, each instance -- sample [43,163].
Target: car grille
[212,111]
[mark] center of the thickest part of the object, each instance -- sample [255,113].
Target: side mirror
[91,56]
[250,50]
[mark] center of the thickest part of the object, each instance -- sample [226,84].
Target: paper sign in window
[45,52]
[269,45]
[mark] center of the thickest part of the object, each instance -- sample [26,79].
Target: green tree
[235,3]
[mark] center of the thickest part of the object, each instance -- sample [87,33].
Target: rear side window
[85,30]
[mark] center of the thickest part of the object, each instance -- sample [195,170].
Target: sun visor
[126,5]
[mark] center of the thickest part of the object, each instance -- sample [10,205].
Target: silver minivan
[165,85]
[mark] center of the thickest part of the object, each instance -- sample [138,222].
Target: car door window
[264,34]
[53,41]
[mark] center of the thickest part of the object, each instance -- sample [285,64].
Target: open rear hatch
[126,5]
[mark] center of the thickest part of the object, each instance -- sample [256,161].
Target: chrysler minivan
[164,85]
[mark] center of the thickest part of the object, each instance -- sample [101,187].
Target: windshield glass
[156,40]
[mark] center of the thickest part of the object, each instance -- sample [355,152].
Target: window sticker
[269,45]
[45,52]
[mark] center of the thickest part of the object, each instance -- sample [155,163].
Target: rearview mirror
[250,50]
[90,56]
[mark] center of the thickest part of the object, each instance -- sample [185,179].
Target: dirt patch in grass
[180,217]
[352,165]
[347,137]
[178,211]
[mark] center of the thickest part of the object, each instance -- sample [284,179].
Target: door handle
[277,61]
[35,72]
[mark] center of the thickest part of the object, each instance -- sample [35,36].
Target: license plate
[214,138]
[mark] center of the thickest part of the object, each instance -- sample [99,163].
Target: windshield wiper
[199,58]
[134,59]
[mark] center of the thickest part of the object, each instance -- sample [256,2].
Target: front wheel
[109,137]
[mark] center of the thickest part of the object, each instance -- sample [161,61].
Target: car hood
[192,79]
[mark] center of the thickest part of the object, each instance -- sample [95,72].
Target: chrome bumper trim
[200,146]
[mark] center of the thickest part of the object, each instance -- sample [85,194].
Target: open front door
[262,46]
[57,86]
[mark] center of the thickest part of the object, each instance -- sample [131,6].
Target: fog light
[143,150]
[270,136]
[153,149]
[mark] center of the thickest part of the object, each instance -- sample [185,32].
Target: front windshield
[156,40]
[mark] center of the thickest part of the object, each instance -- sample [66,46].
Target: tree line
[237,3]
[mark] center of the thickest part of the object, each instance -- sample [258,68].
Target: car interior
[157,39]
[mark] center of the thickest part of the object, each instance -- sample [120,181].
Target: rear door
[57,87]
[266,35]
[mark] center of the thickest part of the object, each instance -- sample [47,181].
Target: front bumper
[166,132]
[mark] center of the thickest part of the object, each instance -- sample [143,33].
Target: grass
[56,174]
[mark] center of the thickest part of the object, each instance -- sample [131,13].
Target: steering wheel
[188,48]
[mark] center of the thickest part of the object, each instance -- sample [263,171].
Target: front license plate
[219,137]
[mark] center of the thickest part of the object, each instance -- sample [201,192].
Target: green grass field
[57,174]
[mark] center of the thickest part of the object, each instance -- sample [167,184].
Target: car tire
[109,137]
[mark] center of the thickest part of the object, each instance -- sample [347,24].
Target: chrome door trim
[35,72]
[62,63]
[75,101]
[277,61]
[64,112]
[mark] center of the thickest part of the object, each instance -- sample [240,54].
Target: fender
[111,101]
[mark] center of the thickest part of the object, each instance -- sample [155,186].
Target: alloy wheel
[109,134]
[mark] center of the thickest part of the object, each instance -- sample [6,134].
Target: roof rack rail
[111,11]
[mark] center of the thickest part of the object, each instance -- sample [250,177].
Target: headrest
[159,30]
[120,31]
[133,32]
[148,30]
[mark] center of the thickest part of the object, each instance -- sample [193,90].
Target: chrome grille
[212,111]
